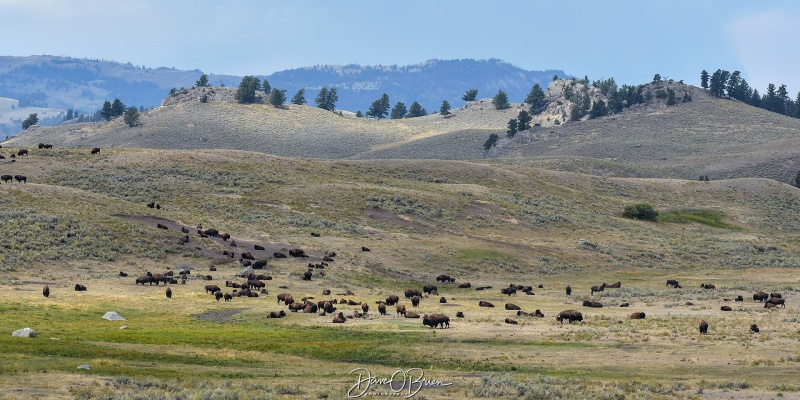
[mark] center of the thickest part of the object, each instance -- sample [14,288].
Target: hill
[83,219]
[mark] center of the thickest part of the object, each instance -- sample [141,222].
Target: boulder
[25,332]
[113,316]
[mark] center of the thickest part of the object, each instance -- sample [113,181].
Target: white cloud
[767,44]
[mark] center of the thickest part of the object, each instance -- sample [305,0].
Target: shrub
[643,211]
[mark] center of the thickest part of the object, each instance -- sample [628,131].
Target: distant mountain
[63,83]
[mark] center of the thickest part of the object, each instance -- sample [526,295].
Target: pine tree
[32,120]
[246,93]
[491,141]
[379,108]
[470,95]
[299,97]
[523,121]
[599,109]
[117,108]
[326,99]
[500,101]
[536,99]
[131,116]
[445,108]
[265,86]
[416,110]
[512,128]
[277,97]
[399,111]
[202,82]
[106,111]
[704,79]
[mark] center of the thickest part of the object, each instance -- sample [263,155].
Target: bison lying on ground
[593,304]
[339,319]
[776,302]
[459,314]
[511,321]
[637,315]
[485,304]
[297,253]
[465,285]
[614,285]
[726,308]
[278,254]
[754,328]
[95,150]
[569,315]
[277,314]
[410,314]
[512,306]
[707,286]
[79,287]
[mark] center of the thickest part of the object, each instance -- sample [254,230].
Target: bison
[410,314]
[6,178]
[415,301]
[703,327]
[760,296]
[569,315]
[46,291]
[776,302]
[726,308]
[260,264]
[401,309]
[616,285]
[412,292]
[754,328]
[598,288]
[22,152]
[392,300]
[442,300]
[739,298]
[225,237]
[169,293]
[436,319]
[538,314]
[161,226]
[445,279]
[297,253]
[80,288]
[258,247]
[286,298]
[459,314]
[248,256]
[218,295]
[509,290]
[307,275]
[212,289]
[277,314]
[363,248]
[122,274]
[339,319]
[142,280]
[707,286]
[673,283]
[430,289]
[382,308]
[775,296]
[511,306]
[569,290]
[228,297]
[637,315]
[95,150]
[465,285]
[278,254]
[21,178]
[485,304]
[593,304]
[511,321]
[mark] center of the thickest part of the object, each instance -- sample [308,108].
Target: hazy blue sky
[629,40]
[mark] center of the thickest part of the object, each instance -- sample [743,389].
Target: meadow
[83,219]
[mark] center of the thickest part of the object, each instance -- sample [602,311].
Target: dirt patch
[219,316]
[385,216]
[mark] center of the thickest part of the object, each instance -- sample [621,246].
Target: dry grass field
[83,219]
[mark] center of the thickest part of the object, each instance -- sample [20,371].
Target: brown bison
[143,279]
[228,297]
[637,315]
[511,321]
[739,298]
[569,290]
[122,274]
[415,301]
[22,152]
[297,253]
[258,247]
[512,306]
[256,284]
[80,288]
[46,291]
[485,304]
[538,314]
[363,248]
[625,305]
[776,302]
[430,289]
[569,315]
[339,319]
[169,293]
[307,275]
[276,314]
[754,328]
[616,285]
[410,314]
[593,304]
[459,314]
[260,264]
[442,300]
[703,327]
[436,319]
[326,292]
[673,283]
[225,237]
[365,308]
[392,300]
[328,307]
[707,286]
[775,296]
[401,309]
[465,285]
[598,288]
[286,298]
[161,226]
[726,308]
[21,178]
[278,254]
[95,150]
[760,296]
[509,290]
[218,295]
[248,256]
[445,279]
[412,292]
[212,289]
[382,308]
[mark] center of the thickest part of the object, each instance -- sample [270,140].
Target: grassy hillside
[82,219]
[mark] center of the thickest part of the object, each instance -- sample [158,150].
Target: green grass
[687,216]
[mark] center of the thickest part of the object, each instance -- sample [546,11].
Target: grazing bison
[22,152]
[162,226]
[511,306]
[445,279]
[673,283]
[211,232]
[726,308]
[255,284]
[6,178]
[315,234]
[297,253]
[569,290]
[21,178]
[511,321]
[430,289]
[225,237]
[169,293]
[382,308]
[260,264]
[776,302]
[593,304]
[775,296]
[392,300]
[212,289]
[401,309]
[760,296]
[218,295]
[79,287]
[754,328]
[46,291]
[277,314]
[326,258]
[143,279]
[703,327]
[410,314]
[465,285]
[307,275]
[637,315]
[151,204]
[509,290]
[598,288]
[485,304]
[228,297]
[95,150]
[569,315]
[286,298]
[258,247]
[412,292]
[365,308]
[436,319]
[415,301]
